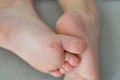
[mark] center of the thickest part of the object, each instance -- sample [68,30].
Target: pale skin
[83,22]
[74,48]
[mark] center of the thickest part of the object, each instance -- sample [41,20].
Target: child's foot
[22,32]
[86,27]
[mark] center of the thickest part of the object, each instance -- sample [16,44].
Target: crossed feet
[31,39]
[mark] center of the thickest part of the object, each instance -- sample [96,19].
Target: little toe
[74,44]
[56,73]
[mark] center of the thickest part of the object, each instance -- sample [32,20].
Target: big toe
[73,44]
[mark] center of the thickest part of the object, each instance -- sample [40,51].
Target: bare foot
[22,32]
[84,26]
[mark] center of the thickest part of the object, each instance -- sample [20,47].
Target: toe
[74,44]
[62,70]
[72,59]
[56,73]
[68,67]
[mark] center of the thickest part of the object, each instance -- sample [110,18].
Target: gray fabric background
[14,68]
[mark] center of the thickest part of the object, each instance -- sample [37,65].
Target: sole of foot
[74,24]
